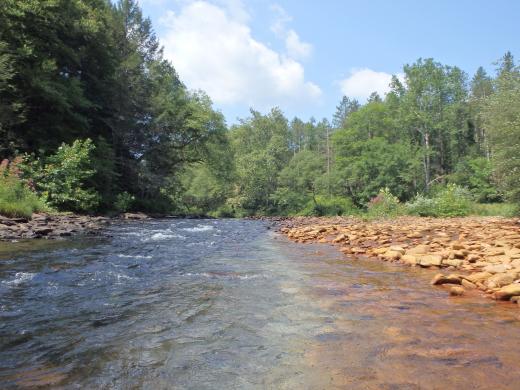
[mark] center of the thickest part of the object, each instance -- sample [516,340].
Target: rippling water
[227,304]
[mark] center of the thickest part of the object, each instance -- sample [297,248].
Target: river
[228,304]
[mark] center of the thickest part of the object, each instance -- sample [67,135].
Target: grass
[495,210]
[16,200]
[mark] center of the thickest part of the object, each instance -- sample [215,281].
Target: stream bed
[229,304]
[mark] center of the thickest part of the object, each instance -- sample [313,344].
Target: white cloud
[281,18]
[362,82]
[295,47]
[212,49]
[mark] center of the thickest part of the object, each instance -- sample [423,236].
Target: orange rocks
[485,250]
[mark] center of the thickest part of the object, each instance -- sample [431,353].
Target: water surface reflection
[228,304]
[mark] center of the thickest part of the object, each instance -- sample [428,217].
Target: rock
[418,250]
[380,251]
[6,221]
[496,268]
[473,258]
[397,249]
[467,284]
[459,254]
[458,246]
[42,231]
[507,292]
[495,252]
[456,291]
[478,276]
[430,260]
[453,262]
[392,255]
[443,279]
[339,238]
[409,259]
[500,280]
[135,216]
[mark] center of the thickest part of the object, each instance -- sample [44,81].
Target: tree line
[94,119]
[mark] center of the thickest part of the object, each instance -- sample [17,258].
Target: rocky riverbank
[50,226]
[479,254]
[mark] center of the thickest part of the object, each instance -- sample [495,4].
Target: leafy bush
[385,204]
[124,202]
[61,180]
[449,201]
[421,206]
[453,201]
[329,206]
[16,197]
[476,174]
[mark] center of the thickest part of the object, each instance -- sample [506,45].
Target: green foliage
[507,210]
[324,206]
[384,205]
[16,198]
[450,201]
[366,166]
[124,202]
[61,179]
[502,121]
[476,174]
[74,70]
[421,206]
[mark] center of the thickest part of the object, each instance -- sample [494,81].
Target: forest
[94,119]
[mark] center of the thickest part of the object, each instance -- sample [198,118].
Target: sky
[303,56]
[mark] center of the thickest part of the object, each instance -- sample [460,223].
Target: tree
[481,90]
[346,107]
[502,122]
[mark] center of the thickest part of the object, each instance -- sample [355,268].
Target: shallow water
[227,304]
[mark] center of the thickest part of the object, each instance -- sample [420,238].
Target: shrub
[421,206]
[384,204]
[124,202]
[449,201]
[453,201]
[61,180]
[16,197]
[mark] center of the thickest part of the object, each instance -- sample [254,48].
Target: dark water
[227,304]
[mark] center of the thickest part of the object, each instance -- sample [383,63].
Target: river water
[228,304]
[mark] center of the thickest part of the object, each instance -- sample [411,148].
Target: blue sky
[304,55]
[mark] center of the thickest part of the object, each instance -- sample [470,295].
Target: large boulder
[430,260]
[444,279]
[508,291]
[418,250]
[500,280]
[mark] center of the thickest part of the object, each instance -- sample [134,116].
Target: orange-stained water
[388,328]
[227,304]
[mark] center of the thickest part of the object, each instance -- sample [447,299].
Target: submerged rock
[443,279]
[456,291]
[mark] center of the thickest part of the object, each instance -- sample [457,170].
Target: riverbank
[50,226]
[56,225]
[479,254]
